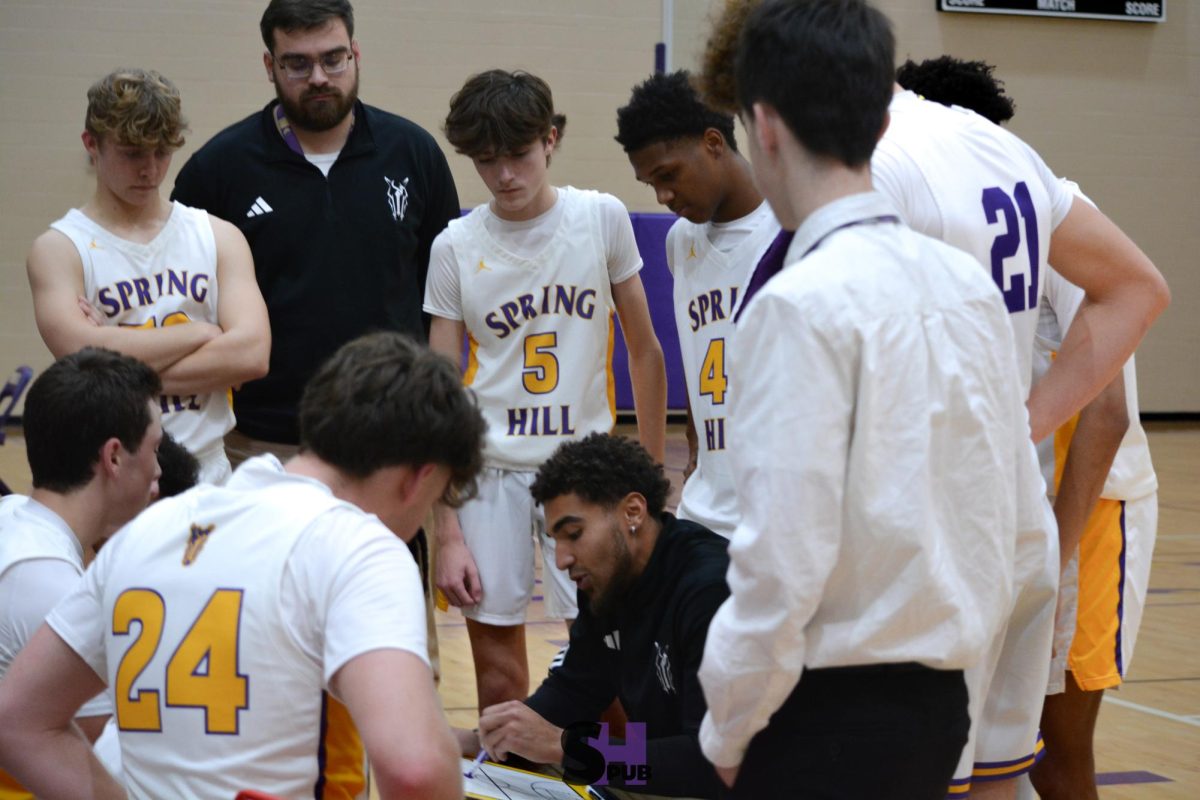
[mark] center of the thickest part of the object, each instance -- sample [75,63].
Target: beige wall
[1116,106]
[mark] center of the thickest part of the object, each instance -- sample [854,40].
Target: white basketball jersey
[28,531]
[959,178]
[1132,474]
[216,687]
[540,333]
[708,290]
[169,281]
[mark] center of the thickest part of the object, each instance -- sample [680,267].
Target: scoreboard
[1128,10]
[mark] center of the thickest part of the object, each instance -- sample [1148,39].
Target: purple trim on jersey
[767,267]
[1121,594]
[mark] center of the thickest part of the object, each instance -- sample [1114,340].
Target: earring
[633,530]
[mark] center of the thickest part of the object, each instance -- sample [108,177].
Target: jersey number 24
[202,672]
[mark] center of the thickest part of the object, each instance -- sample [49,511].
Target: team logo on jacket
[662,666]
[397,197]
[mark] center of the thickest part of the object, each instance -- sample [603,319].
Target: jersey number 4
[996,201]
[202,672]
[713,380]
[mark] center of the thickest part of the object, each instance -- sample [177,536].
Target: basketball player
[687,153]
[92,426]
[532,279]
[1111,542]
[877,392]
[219,616]
[956,176]
[129,268]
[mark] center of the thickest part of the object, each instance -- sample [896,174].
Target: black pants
[886,731]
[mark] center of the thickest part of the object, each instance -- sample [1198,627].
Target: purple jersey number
[996,201]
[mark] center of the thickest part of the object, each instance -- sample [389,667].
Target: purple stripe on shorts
[1121,595]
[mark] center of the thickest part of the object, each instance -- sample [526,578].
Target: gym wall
[1114,106]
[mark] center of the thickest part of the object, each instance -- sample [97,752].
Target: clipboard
[492,781]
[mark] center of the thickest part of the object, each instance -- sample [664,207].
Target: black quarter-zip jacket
[335,257]
[649,655]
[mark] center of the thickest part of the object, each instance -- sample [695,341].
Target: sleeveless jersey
[708,290]
[217,668]
[169,281]
[959,178]
[540,333]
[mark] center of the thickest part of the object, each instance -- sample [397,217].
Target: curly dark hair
[180,469]
[717,82]
[667,107]
[955,82]
[383,400]
[602,469]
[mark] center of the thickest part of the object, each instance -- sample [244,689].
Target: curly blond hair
[136,107]
[716,80]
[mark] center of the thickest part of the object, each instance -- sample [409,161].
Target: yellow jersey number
[713,380]
[211,644]
[540,374]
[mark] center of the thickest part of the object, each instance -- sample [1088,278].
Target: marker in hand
[470,773]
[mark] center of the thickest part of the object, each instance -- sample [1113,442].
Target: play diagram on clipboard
[498,782]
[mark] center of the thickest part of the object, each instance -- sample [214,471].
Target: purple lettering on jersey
[112,307]
[125,289]
[199,292]
[142,285]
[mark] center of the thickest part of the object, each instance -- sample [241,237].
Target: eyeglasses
[334,62]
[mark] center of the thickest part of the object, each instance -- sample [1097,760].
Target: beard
[608,600]
[318,116]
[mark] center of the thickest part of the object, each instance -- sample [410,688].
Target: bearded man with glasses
[340,202]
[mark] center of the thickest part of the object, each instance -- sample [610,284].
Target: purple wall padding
[650,230]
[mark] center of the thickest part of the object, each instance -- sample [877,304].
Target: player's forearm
[230,359]
[1100,340]
[158,347]
[647,373]
[1097,437]
[57,764]
[431,770]
[446,530]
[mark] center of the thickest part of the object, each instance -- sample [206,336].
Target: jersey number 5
[202,673]
[540,374]
[996,201]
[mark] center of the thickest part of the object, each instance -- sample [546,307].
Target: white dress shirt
[880,445]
